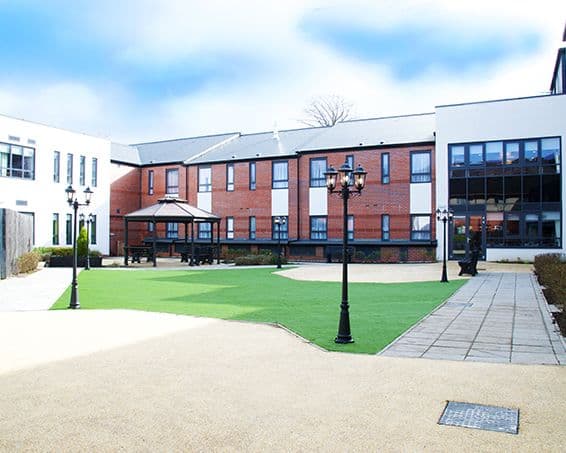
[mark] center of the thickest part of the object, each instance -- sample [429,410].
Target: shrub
[82,242]
[28,262]
[264,258]
[46,252]
[550,269]
[231,254]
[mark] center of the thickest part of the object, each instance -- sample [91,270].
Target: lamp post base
[343,340]
[444,278]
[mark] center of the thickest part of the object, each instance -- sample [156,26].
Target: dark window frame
[168,188]
[281,230]
[204,233]
[416,233]
[82,170]
[322,234]
[284,182]
[55,229]
[230,184]
[172,230]
[385,233]
[56,166]
[385,176]
[150,182]
[93,235]
[94,172]
[321,181]
[70,165]
[229,230]
[207,187]
[69,229]
[19,172]
[351,232]
[252,176]
[416,176]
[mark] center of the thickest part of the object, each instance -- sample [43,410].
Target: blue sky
[132,71]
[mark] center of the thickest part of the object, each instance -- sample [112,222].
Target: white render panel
[204,201]
[318,201]
[534,117]
[44,197]
[280,202]
[421,198]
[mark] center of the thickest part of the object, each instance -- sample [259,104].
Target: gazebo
[172,210]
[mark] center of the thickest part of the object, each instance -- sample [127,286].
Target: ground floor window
[420,227]
[280,230]
[172,231]
[318,227]
[204,231]
[69,229]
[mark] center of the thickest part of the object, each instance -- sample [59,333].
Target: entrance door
[466,229]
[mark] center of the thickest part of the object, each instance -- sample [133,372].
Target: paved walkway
[495,317]
[37,291]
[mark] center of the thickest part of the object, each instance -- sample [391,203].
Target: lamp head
[88,194]
[70,194]
[359,178]
[331,175]
[344,174]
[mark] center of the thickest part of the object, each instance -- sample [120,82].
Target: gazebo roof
[172,210]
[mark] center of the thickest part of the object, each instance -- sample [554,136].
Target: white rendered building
[38,162]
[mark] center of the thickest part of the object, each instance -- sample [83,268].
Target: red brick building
[251,179]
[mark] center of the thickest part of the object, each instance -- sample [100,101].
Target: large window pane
[551,188]
[318,227]
[280,229]
[385,227]
[280,179]
[204,179]
[252,176]
[494,153]
[476,191]
[204,231]
[531,189]
[317,169]
[551,228]
[457,156]
[457,192]
[531,230]
[512,153]
[420,167]
[512,192]
[475,153]
[172,181]
[550,151]
[229,177]
[494,194]
[531,152]
[385,168]
[420,227]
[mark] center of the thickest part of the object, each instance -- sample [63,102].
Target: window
[229,227]
[280,230]
[350,162]
[385,168]
[317,169]
[172,231]
[420,166]
[172,181]
[350,227]
[385,227]
[252,176]
[531,152]
[280,175]
[93,230]
[150,182]
[56,166]
[511,153]
[205,179]
[475,153]
[150,227]
[229,177]
[494,153]
[17,161]
[94,172]
[69,169]
[550,151]
[420,227]
[82,169]
[318,227]
[55,229]
[252,228]
[69,229]
[204,230]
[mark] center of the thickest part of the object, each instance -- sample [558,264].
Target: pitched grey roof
[265,144]
[171,209]
[393,130]
[125,154]
[180,150]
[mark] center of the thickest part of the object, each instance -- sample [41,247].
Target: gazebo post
[154,244]
[192,263]
[125,241]
[218,242]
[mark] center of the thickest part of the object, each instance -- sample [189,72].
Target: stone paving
[495,317]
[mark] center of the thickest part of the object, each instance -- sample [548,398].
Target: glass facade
[513,187]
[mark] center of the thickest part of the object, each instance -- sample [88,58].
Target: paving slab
[494,317]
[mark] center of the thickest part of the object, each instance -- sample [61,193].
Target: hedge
[550,269]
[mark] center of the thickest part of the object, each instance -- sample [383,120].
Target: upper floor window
[172,231]
[82,169]
[56,166]
[172,181]
[420,166]
[280,177]
[385,227]
[252,228]
[229,177]
[317,169]
[55,229]
[280,230]
[420,227]
[351,227]
[70,169]
[204,230]
[94,172]
[385,168]
[69,229]
[205,179]
[350,162]
[150,182]
[494,153]
[318,227]
[17,161]
[252,176]
[229,227]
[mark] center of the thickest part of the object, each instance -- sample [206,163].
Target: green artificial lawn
[378,312]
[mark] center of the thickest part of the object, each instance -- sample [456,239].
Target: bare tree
[326,111]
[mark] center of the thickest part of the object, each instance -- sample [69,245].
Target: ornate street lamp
[74,203]
[444,216]
[279,220]
[345,178]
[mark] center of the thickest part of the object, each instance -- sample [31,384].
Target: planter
[67,261]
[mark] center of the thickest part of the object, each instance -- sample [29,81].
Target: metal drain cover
[478,416]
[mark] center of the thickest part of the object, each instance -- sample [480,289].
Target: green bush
[46,252]
[264,258]
[82,242]
[28,262]
[231,254]
[550,269]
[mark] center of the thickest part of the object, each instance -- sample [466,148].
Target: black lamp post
[444,216]
[279,220]
[74,202]
[88,220]
[344,177]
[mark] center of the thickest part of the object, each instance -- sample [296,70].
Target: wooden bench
[469,265]
[136,252]
[203,254]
